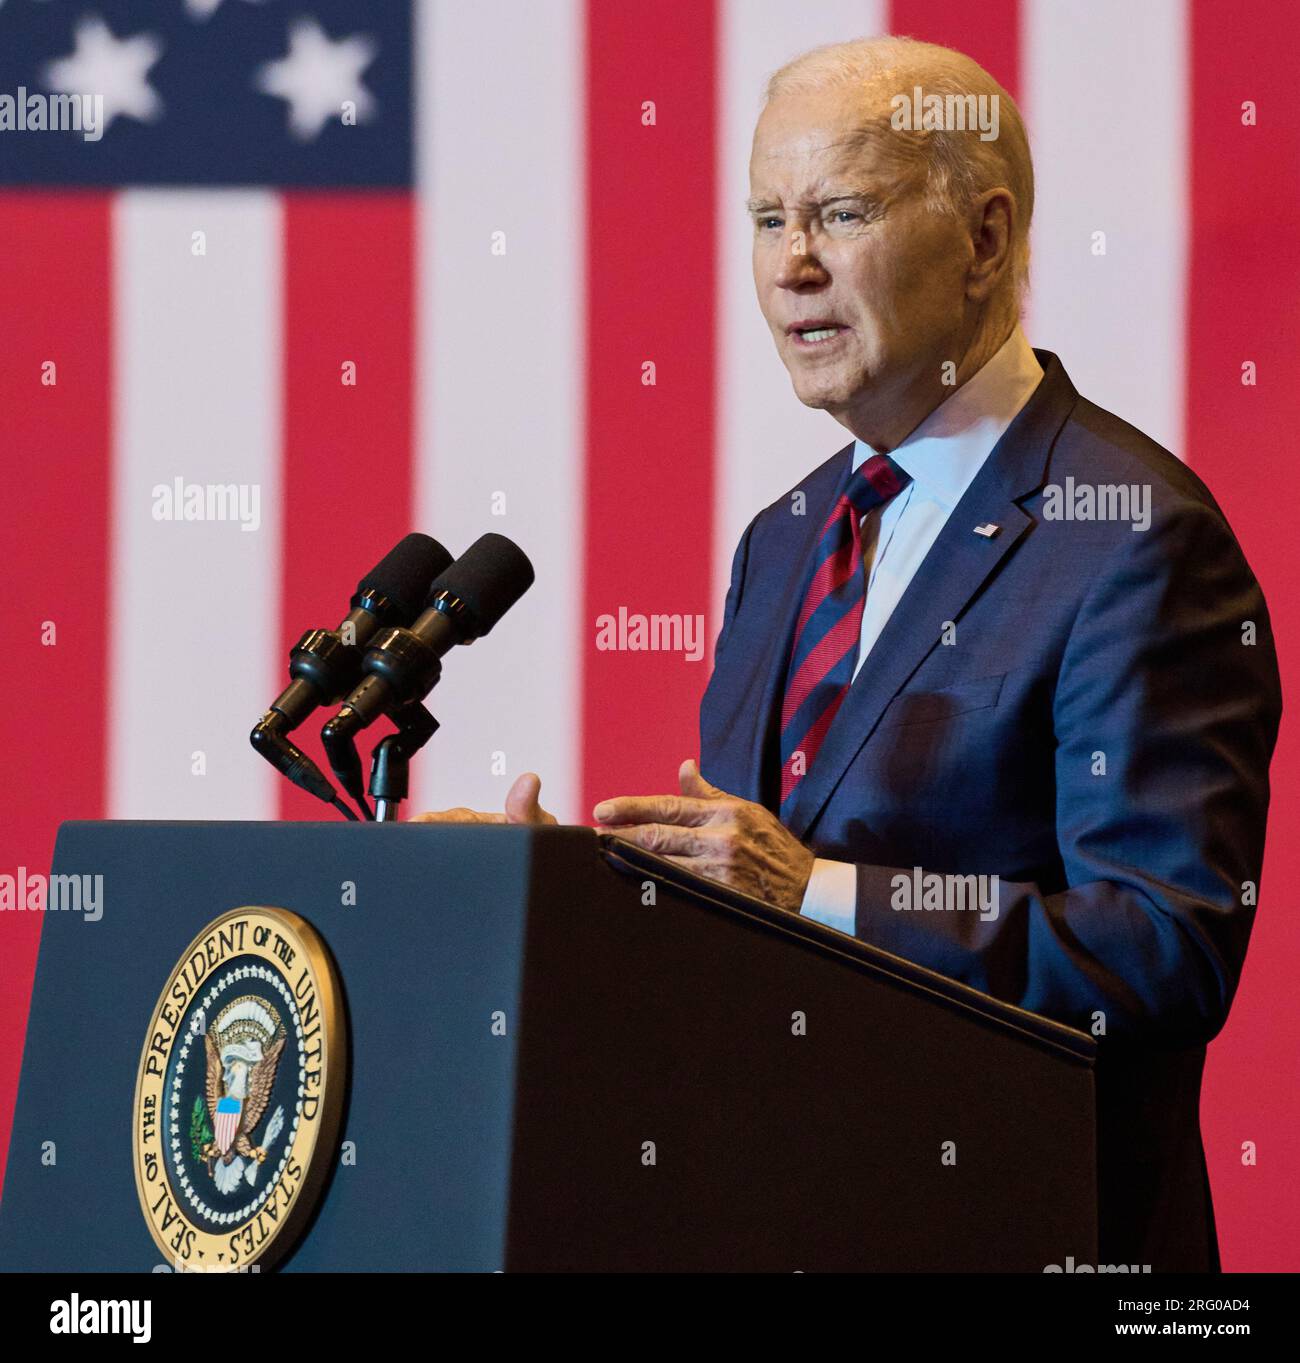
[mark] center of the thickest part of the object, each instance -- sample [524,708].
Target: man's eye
[767,222]
[844,213]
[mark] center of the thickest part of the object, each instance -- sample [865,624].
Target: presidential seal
[239,1092]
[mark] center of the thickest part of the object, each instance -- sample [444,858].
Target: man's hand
[521,807]
[717,835]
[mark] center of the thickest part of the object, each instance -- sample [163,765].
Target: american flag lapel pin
[988,530]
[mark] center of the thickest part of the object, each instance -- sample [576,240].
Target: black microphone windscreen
[489,577]
[404,575]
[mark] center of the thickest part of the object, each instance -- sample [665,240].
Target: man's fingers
[521,807]
[647,809]
[457,815]
[523,801]
[669,840]
[693,784]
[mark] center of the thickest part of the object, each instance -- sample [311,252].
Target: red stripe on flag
[989,32]
[348,451]
[56,298]
[651,285]
[1244,279]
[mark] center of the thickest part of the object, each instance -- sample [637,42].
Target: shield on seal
[226,1125]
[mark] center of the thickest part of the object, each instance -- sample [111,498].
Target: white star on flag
[205,9]
[115,68]
[318,77]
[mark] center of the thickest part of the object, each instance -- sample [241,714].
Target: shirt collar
[945,452]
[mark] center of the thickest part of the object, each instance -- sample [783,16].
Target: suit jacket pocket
[923,707]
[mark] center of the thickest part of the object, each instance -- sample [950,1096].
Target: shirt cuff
[832,894]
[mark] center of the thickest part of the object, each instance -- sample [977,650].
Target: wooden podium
[565,1054]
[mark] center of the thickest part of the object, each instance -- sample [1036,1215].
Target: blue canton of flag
[209,92]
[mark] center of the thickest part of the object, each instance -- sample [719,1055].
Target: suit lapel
[759,646]
[951,575]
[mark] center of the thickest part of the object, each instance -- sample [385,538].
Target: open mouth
[822,333]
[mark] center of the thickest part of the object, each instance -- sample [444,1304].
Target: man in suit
[1001,635]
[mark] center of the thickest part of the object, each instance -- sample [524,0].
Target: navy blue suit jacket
[1097,732]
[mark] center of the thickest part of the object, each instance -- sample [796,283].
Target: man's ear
[992,221]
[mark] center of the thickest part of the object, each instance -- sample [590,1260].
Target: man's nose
[800,264]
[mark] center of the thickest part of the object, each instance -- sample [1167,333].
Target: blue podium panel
[428,953]
[564,1054]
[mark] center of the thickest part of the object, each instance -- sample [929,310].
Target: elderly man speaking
[1001,635]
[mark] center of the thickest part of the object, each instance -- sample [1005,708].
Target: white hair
[958,166]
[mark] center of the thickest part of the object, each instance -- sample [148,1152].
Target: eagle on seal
[243,1052]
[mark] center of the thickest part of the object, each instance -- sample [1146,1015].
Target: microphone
[403,665]
[325,664]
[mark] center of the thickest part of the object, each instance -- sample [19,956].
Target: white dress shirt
[942,455]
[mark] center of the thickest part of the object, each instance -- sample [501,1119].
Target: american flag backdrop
[526,210]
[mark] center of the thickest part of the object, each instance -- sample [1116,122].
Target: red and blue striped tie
[827,634]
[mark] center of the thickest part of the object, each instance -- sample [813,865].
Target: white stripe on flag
[500,392]
[766,439]
[1107,106]
[196,366]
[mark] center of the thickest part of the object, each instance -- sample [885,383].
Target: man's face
[885,271]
